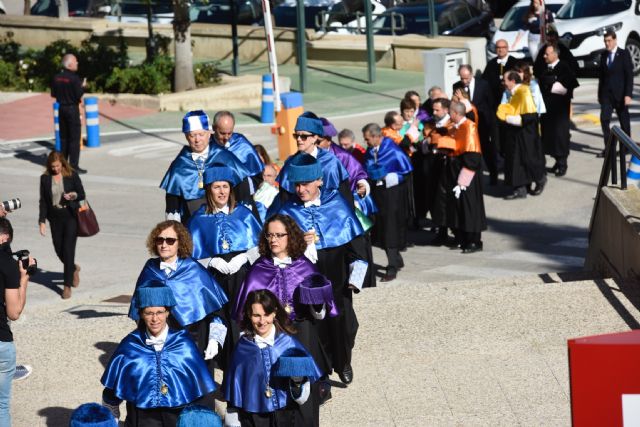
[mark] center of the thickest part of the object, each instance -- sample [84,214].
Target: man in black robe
[557,83]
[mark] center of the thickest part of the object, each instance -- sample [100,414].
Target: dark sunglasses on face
[301,136]
[170,240]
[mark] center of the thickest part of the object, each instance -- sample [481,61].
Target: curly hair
[185,245]
[295,243]
[270,304]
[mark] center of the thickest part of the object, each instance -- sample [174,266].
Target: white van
[582,23]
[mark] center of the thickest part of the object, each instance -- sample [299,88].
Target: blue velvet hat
[376,172]
[92,415]
[328,129]
[219,172]
[304,168]
[316,289]
[309,122]
[294,363]
[198,416]
[195,120]
[153,293]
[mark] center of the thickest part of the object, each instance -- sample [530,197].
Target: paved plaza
[456,340]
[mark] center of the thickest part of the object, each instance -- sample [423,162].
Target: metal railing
[618,145]
[322,19]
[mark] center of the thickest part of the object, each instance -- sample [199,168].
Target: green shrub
[207,74]
[9,49]
[7,74]
[145,78]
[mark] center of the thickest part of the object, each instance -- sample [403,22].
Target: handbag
[87,222]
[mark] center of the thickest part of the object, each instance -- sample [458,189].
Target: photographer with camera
[14,279]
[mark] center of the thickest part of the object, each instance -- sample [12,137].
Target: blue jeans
[7,369]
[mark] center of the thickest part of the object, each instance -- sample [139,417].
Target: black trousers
[622,111]
[161,417]
[395,261]
[64,233]
[70,126]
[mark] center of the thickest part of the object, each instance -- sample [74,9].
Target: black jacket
[71,183]
[493,76]
[483,100]
[617,80]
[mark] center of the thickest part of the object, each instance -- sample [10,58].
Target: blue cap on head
[328,130]
[219,172]
[92,415]
[195,120]
[309,122]
[376,172]
[153,293]
[198,416]
[304,168]
[294,363]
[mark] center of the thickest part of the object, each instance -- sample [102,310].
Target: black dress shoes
[539,187]
[346,376]
[81,171]
[325,391]
[387,278]
[470,248]
[561,171]
[518,193]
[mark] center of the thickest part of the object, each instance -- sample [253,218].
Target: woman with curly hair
[304,294]
[198,295]
[271,374]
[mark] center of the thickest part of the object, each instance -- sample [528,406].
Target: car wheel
[633,47]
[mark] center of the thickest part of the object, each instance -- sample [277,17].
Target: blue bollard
[91,114]
[266,112]
[56,126]
[633,173]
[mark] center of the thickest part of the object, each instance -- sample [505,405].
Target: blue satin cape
[333,172]
[182,177]
[196,292]
[219,233]
[136,372]
[249,373]
[243,149]
[391,157]
[334,221]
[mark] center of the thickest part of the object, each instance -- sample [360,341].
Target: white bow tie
[154,341]
[282,263]
[270,340]
[167,265]
[315,202]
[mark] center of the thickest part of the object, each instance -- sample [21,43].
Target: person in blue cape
[227,232]
[308,131]
[389,170]
[156,369]
[334,237]
[223,135]
[199,297]
[271,373]
[184,180]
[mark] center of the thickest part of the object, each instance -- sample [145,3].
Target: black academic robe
[556,121]
[493,74]
[524,160]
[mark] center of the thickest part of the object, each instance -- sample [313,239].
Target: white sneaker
[22,372]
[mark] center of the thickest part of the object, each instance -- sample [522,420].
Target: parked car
[50,8]
[249,12]
[136,11]
[582,23]
[513,29]
[454,18]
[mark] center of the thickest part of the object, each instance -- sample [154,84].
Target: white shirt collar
[314,153]
[457,125]
[443,122]
[503,61]
[553,64]
[282,263]
[224,209]
[269,340]
[203,155]
[173,266]
[158,342]
[314,202]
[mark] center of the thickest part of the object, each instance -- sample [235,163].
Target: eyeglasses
[169,240]
[301,136]
[501,47]
[152,314]
[278,236]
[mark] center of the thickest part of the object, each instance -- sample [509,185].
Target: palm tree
[183,78]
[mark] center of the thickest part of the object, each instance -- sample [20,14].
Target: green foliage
[97,60]
[7,73]
[9,49]
[207,74]
[152,79]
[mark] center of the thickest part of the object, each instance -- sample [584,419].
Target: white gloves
[304,394]
[514,120]
[236,263]
[558,89]
[252,254]
[366,186]
[231,419]
[391,179]
[115,409]
[458,189]
[217,334]
[312,253]
[319,315]
[173,216]
[221,265]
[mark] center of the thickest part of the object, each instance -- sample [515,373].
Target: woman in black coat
[60,194]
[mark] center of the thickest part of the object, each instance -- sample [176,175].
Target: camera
[11,205]
[23,257]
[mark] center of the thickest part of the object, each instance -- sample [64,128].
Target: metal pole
[234,37]
[433,23]
[371,53]
[302,45]
[271,51]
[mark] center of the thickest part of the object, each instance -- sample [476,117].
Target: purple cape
[283,282]
[351,164]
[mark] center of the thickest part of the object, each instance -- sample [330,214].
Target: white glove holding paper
[231,419]
[514,120]
[558,89]
[237,262]
[312,253]
[458,189]
[391,179]
[175,216]
[219,264]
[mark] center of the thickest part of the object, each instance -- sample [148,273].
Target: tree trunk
[27,7]
[63,9]
[183,75]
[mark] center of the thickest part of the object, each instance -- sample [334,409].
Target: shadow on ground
[107,348]
[56,416]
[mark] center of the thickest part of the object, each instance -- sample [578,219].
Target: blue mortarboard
[294,363]
[309,122]
[195,120]
[219,172]
[377,172]
[304,168]
[92,415]
[198,416]
[328,129]
[153,293]
[315,289]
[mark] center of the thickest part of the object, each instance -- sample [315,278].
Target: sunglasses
[301,136]
[170,240]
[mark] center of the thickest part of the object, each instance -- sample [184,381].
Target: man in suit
[615,85]
[495,69]
[565,55]
[480,95]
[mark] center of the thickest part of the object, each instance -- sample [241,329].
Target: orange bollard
[286,122]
